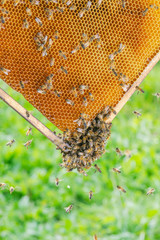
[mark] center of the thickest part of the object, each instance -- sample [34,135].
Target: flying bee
[29,131]
[99,3]
[52,61]
[38,21]
[56,34]
[56,93]
[27,114]
[97,168]
[28,143]
[139,89]
[74,92]
[90,194]
[95,237]
[118,151]
[121,189]
[25,24]
[2,185]
[4,70]
[91,96]
[150,191]
[70,102]
[64,70]
[61,54]
[75,49]
[73,7]
[156,95]
[69,208]
[145,12]
[138,114]
[11,190]
[117,170]
[85,102]
[10,143]
[57,180]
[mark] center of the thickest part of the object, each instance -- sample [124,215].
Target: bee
[127,153]
[117,170]
[57,180]
[10,143]
[28,143]
[150,191]
[88,5]
[64,70]
[114,72]
[111,56]
[4,70]
[84,45]
[95,237]
[139,89]
[80,170]
[69,208]
[154,6]
[80,130]
[60,9]
[145,12]
[16,2]
[74,92]
[41,91]
[52,61]
[90,194]
[121,189]
[44,51]
[56,34]
[70,102]
[125,87]
[68,2]
[84,36]
[61,54]
[21,84]
[156,95]
[85,102]
[11,190]
[28,11]
[82,88]
[138,114]
[121,47]
[2,185]
[38,21]
[91,96]
[34,2]
[112,110]
[29,131]
[49,13]
[97,168]
[25,24]
[99,3]
[27,114]
[73,7]
[75,49]
[56,93]
[118,151]
[81,13]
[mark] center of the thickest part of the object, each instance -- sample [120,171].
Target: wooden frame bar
[33,121]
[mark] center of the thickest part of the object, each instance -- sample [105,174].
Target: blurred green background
[36,209]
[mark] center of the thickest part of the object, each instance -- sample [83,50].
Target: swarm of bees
[88,142]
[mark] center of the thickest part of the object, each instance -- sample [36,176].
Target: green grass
[36,209]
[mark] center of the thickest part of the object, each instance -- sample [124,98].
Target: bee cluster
[88,142]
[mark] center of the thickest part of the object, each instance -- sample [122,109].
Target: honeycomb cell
[89,65]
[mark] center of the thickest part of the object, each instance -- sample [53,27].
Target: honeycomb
[94,43]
